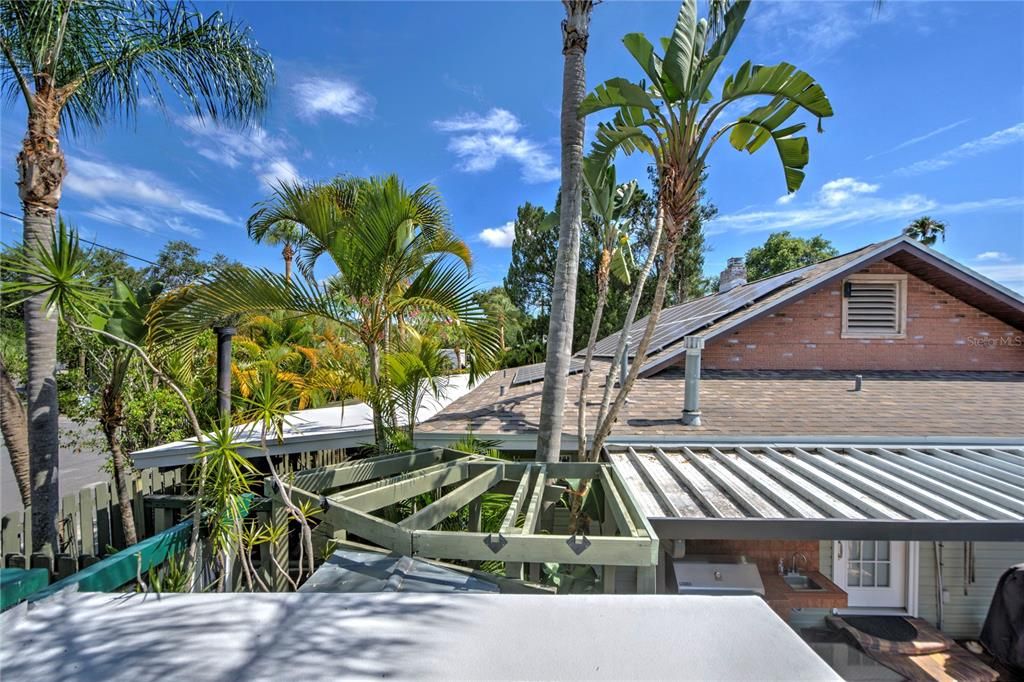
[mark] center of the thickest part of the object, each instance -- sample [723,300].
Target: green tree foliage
[503,314]
[531,273]
[782,252]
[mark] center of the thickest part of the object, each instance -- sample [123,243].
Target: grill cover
[1003,632]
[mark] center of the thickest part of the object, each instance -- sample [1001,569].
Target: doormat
[884,627]
[925,640]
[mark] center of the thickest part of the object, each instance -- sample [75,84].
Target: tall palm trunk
[673,236]
[41,171]
[110,419]
[373,354]
[575,32]
[14,426]
[288,253]
[603,271]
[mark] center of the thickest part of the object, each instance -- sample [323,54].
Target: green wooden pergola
[352,494]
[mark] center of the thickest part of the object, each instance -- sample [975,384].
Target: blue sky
[928,100]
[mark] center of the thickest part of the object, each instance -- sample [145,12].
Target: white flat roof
[324,428]
[300,636]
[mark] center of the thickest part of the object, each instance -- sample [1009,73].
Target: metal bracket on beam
[325,504]
[495,544]
[578,546]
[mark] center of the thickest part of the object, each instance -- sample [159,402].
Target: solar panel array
[531,373]
[686,318]
[675,323]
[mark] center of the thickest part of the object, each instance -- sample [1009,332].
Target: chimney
[735,274]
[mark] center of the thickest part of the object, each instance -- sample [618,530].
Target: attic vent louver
[873,307]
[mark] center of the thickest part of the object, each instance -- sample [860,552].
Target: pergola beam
[524,548]
[508,524]
[618,509]
[359,471]
[445,506]
[392,490]
[533,509]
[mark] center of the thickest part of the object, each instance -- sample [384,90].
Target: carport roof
[818,490]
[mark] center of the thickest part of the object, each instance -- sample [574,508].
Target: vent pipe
[734,275]
[691,400]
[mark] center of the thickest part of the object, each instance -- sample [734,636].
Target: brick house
[862,417]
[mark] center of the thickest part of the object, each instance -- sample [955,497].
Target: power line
[89,241]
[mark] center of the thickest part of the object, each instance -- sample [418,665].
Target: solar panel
[686,318]
[531,373]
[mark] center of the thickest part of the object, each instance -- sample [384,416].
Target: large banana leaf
[680,47]
[782,79]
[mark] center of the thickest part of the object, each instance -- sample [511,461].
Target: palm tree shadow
[145,637]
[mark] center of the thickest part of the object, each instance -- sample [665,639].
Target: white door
[872,572]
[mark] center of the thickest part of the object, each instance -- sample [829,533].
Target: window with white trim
[875,306]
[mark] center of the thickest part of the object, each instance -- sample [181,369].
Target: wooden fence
[89,523]
[90,526]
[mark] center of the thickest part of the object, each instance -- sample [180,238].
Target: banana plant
[671,114]
[609,204]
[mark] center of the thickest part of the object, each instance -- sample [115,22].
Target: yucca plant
[672,115]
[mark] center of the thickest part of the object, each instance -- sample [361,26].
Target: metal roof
[323,428]
[364,570]
[821,491]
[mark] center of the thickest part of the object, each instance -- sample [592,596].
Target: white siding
[962,615]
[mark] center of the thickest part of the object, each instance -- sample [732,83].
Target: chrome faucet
[792,569]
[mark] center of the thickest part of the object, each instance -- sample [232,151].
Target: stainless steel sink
[801,583]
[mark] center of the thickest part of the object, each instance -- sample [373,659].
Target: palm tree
[926,230]
[674,118]
[575,34]
[393,251]
[76,64]
[609,203]
[282,232]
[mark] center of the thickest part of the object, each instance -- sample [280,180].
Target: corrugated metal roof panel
[900,484]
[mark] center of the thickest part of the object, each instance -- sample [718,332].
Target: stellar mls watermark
[1013,341]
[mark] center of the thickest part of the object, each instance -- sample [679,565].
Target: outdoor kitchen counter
[781,597]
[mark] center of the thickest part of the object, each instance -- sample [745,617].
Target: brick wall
[943,333]
[765,553]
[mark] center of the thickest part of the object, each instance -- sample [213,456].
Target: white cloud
[992,255]
[857,207]
[495,121]
[836,192]
[1008,274]
[1000,138]
[481,141]
[142,188]
[265,154]
[316,96]
[920,138]
[813,29]
[277,171]
[499,237]
[785,199]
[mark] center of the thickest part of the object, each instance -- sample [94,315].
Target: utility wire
[89,241]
